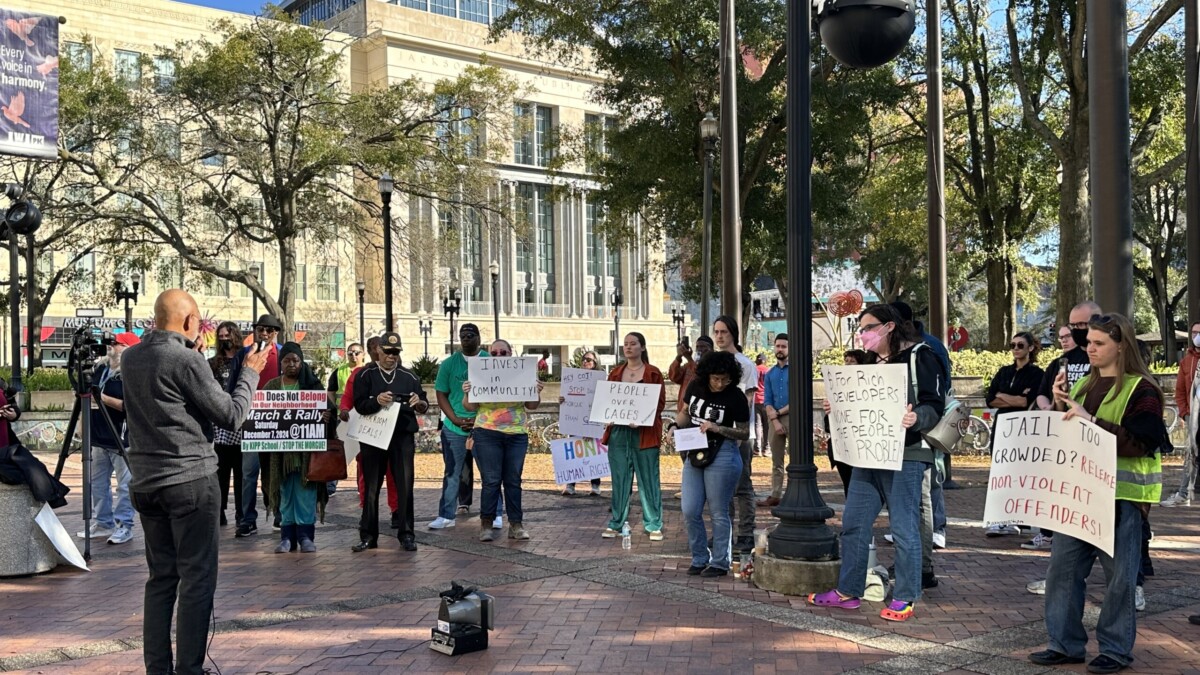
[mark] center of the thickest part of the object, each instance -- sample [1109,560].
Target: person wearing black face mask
[228,442]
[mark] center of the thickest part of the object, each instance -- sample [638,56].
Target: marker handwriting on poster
[866,405]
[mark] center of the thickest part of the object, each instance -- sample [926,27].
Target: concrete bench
[24,548]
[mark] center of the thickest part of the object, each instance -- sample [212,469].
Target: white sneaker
[1002,530]
[1139,599]
[888,538]
[1040,542]
[939,540]
[1174,500]
[98,532]
[498,523]
[569,490]
[1036,587]
[595,491]
[441,523]
[121,535]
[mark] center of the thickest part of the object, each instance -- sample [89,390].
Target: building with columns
[556,276]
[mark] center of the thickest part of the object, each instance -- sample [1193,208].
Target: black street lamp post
[119,290]
[677,315]
[426,326]
[451,305]
[616,307]
[385,194]
[494,268]
[361,286]
[710,132]
[254,270]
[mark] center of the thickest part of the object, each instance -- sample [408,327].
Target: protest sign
[285,421]
[1053,473]
[690,439]
[578,392]
[29,84]
[866,404]
[625,403]
[578,459]
[375,430]
[503,379]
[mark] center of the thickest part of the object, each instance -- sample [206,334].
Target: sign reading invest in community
[1054,473]
[578,392]
[28,84]
[625,403]
[503,379]
[285,421]
[578,459]
[866,407]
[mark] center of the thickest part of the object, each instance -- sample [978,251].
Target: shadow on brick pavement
[570,601]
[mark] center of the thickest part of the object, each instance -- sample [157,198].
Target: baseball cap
[128,339]
[468,328]
[390,341]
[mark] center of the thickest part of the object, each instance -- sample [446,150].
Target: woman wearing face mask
[633,450]
[892,340]
[589,361]
[294,499]
[227,442]
[723,414]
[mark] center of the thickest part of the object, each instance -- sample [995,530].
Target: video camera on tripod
[88,344]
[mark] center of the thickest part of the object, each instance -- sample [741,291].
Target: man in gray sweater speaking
[172,402]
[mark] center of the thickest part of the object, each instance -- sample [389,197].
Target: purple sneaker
[833,599]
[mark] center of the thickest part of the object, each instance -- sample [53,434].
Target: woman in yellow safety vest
[1122,397]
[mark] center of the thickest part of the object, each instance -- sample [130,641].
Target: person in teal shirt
[457,424]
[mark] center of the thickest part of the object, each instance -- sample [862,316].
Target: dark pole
[731,225]
[254,270]
[362,312]
[451,306]
[389,317]
[1191,15]
[30,294]
[495,270]
[14,307]
[709,131]
[935,168]
[426,327]
[616,305]
[802,532]
[1108,108]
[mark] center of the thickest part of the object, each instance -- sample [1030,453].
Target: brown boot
[517,531]
[485,530]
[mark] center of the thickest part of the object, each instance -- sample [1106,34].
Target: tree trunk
[284,304]
[1074,234]
[997,283]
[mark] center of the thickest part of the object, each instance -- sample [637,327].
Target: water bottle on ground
[626,538]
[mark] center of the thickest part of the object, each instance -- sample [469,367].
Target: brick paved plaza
[569,601]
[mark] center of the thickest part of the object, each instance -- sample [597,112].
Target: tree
[253,137]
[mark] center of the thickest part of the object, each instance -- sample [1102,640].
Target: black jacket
[370,383]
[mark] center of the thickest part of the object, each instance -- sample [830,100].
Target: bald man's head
[176,310]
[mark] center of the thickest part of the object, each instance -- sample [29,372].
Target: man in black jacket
[377,389]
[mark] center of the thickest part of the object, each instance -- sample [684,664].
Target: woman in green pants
[633,450]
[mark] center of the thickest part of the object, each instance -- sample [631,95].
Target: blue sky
[247,6]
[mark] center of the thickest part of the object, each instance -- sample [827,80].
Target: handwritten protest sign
[503,379]
[625,403]
[1054,473]
[866,406]
[375,430]
[690,439]
[285,421]
[578,392]
[578,459]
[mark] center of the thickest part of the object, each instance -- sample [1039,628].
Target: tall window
[416,4]
[79,54]
[84,273]
[533,141]
[127,66]
[210,155]
[523,133]
[595,250]
[543,135]
[327,283]
[472,258]
[217,286]
[474,10]
[166,137]
[164,73]
[301,281]
[443,7]
[242,290]
[169,272]
[545,240]
[525,211]
[598,131]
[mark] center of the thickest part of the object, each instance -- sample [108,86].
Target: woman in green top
[293,497]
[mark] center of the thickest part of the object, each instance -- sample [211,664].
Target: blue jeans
[1070,563]
[104,462]
[714,485]
[869,490]
[454,454]
[501,460]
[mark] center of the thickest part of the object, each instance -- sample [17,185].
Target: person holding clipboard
[378,387]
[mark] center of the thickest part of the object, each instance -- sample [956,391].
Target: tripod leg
[66,448]
[87,477]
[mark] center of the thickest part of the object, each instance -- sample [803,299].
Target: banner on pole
[28,84]
[866,404]
[285,421]
[1054,473]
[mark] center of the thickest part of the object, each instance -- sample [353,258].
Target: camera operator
[108,451]
[171,407]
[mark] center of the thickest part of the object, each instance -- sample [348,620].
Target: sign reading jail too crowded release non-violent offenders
[1054,473]
[625,403]
[502,379]
[285,421]
[866,407]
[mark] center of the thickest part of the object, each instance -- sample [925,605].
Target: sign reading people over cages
[285,421]
[1054,473]
[28,84]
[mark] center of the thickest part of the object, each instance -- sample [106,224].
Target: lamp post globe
[865,33]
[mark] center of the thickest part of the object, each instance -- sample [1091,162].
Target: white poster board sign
[285,421]
[866,404]
[626,403]
[1054,473]
[577,460]
[502,379]
[578,392]
[374,430]
[690,439]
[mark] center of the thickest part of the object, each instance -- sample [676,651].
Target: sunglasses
[500,352]
[353,352]
[1017,345]
[267,329]
[588,359]
[391,352]
[1108,325]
